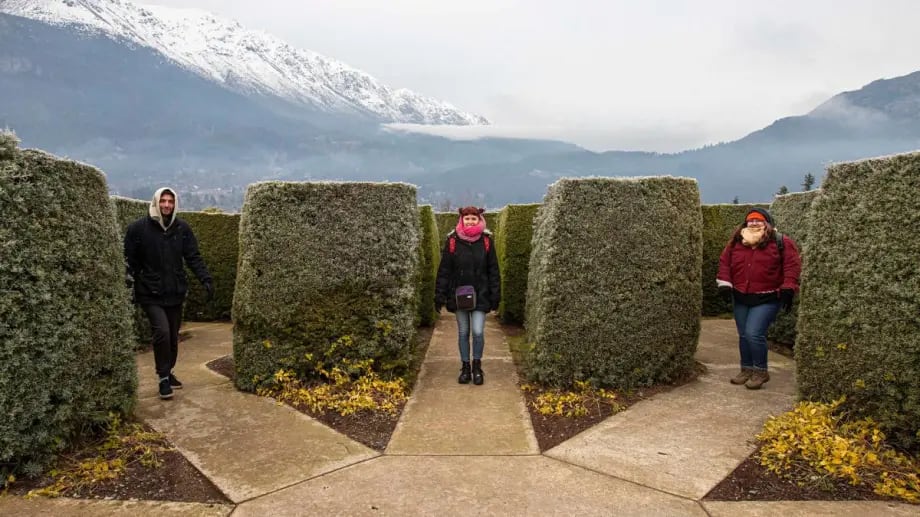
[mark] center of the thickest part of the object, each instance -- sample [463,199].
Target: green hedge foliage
[218,242]
[617,301]
[66,359]
[429,253]
[719,221]
[127,211]
[859,318]
[327,271]
[790,212]
[515,225]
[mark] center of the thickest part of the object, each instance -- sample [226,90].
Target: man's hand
[209,287]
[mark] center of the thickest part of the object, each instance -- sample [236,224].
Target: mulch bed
[753,482]
[175,480]
[371,428]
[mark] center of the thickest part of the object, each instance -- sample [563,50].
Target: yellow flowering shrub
[815,441]
[556,402]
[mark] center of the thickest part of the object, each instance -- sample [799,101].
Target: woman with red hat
[469,285]
[758,276]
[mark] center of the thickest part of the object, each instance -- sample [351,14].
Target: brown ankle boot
[757,379]
[742,377]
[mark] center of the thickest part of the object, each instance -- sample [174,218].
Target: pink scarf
[471,233]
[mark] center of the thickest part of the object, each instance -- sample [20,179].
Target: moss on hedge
[515,224]
[327,271]
[67,358]
[218,242]
[858,324]
[719,221]
[790,212]
[428,268]
[613,291]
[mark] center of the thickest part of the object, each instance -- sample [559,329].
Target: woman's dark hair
[471,210]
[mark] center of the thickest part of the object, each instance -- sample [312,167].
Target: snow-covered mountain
[245,61]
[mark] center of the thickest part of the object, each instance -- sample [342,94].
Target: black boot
[464,373]
[477,372]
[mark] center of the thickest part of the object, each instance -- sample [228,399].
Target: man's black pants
[164,322]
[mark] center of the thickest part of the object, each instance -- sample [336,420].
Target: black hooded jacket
[469,264]
[155,256]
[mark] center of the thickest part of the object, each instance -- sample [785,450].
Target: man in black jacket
[155,247]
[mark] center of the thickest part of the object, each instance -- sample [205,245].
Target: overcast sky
[628,75]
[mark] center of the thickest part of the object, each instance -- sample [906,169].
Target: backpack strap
[780,245]
[452,244]
[487,242]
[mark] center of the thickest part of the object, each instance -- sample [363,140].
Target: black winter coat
[155,260]
[469,264]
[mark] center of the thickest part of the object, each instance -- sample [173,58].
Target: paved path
[464,449]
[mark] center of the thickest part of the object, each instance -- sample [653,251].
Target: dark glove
[726,293]
[210,289]
[438,304]
[785,297]
[494,307]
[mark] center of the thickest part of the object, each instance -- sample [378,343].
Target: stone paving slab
[248,445]
[445,417]
[64,507]
[809,508]
[205,342]
[458,485]
[687,440]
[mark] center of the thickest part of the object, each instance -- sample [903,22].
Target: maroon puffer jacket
[757,270]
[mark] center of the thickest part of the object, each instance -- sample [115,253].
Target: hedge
[719,222]
[327,271]
[218,242]
[515,224]
[429,252]
[66,359]
[127,211]
[613,294]
[790,212]
[859,318]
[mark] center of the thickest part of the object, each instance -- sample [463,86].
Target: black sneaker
[477,372]
[174,382]
[166,391]
[464,377]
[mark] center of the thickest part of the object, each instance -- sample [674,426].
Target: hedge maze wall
[616,302]
[515,225]
[218,242]
[859,317]
[790,211]
[67,356]
[429,253]
[327,270]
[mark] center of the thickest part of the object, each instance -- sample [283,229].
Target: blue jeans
[752,323]
[466,319]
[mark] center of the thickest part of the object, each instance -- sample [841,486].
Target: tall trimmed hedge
[613,291]
[429,252]
[719,221]
[859,318]
[327,270]
[66,358]
[127,211]
[790,212]
[515,224]
[218,242]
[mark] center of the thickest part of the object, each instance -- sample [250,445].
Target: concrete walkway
[464,448]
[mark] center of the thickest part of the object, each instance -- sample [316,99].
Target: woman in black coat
[469,285]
